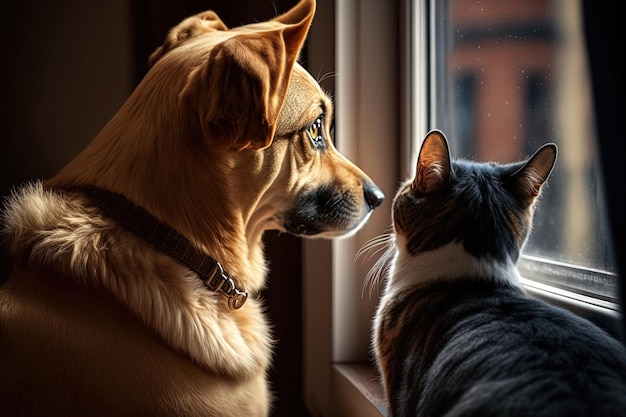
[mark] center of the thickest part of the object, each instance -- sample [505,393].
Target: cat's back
[480,350]
[454,334]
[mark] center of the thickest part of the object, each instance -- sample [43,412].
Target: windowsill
[359,393]
[605,315]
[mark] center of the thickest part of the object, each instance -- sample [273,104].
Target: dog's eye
[315,133]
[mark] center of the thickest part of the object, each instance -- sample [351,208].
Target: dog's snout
[373,196]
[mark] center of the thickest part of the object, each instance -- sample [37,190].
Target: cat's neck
[449,262]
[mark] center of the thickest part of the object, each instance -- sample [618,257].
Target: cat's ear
[527,180]
[433,164]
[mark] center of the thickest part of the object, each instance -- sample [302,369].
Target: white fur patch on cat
[448,262]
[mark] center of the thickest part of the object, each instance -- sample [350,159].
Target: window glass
[509,76]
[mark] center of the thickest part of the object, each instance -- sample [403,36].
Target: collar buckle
[217,280]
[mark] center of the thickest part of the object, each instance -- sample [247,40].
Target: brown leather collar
[165,238]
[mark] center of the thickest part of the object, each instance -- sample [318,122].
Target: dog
[136,267]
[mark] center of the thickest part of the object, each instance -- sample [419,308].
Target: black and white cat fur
[454,333]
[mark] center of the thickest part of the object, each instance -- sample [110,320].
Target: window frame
[338,377]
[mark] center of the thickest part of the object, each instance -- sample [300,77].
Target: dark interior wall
[65,70]
[68,66]
[603,28]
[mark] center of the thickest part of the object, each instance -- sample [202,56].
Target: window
[500,78]
[509,76]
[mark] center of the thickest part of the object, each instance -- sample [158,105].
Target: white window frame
[336,314]
[376,71]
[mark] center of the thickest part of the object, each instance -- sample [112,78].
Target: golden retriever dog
[136,267]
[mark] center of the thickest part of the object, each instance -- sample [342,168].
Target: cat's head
[485,207]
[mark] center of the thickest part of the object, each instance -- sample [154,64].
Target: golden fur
[215,142]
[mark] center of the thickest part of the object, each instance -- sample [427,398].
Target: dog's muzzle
[330,211]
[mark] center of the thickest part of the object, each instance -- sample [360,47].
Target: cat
[454,333]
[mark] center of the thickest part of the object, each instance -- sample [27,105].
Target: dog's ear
[239,92]
[191,27]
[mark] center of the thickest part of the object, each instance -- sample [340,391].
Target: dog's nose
[373,196]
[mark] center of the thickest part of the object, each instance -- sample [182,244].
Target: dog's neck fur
[70,236]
